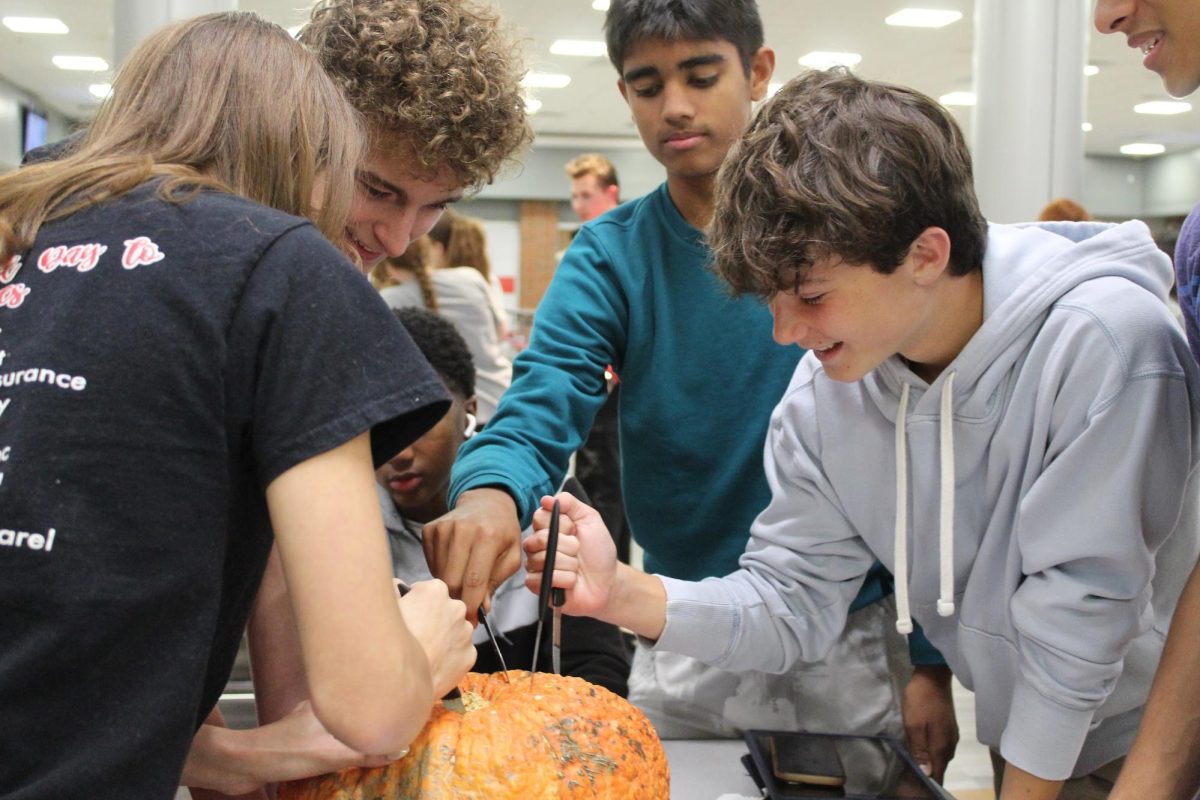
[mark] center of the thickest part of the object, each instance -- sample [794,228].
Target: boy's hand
[440,625]
[586,565]
[929,722]
[475,546]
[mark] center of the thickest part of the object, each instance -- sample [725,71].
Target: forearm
[1165,759]
[217,766]
[1021,785]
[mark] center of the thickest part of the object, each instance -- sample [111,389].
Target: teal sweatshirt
[700,376]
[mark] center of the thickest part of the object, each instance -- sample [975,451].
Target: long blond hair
[226,101]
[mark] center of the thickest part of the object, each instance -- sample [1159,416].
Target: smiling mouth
[362,247]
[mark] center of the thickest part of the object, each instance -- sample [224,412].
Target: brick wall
[539,242]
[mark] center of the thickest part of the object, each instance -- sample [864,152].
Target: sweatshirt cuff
[921,652]
[524,500]
[696,626]
[1042,737]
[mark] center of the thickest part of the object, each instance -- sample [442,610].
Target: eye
[703,81]
[812,300]
[373,191]
[647,91]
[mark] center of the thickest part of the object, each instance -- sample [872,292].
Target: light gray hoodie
[1039,496]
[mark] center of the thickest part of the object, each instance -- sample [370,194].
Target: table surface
[705,769]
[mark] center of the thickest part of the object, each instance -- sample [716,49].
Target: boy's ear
[471,404]
[762,67]
[930,255]
[624,90]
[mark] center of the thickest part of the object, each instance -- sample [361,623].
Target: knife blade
[453,700]
[487,626]
[557,598]
[544,585]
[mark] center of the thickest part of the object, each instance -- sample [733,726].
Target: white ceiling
[934,61]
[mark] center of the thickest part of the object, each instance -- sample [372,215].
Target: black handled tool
[545,595]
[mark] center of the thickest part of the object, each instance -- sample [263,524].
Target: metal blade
[487,626]
[556,642]
[537,639]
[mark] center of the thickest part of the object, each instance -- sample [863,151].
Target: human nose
[677,103]
[1110,15]
[395,233]
[789,325]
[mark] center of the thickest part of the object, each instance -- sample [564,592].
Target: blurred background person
[1064,209]
[462,294]
[594,185]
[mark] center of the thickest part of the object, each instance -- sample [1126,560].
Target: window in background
[35,129]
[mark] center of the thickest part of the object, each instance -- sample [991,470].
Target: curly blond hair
[439,78]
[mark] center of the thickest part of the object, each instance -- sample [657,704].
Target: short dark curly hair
[438,77]
[443,347]
[838,166]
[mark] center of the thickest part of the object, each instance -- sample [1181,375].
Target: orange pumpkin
[534,737]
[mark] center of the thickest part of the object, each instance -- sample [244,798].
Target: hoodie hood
[1026,270]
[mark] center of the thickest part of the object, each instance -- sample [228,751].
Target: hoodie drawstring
[945,604]
[903,617]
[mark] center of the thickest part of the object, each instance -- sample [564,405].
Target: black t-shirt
[160,365]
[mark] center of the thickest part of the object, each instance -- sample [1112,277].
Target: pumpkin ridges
[541,737]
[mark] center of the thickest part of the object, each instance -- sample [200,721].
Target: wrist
[637,601]
[938,674]
[495,496]
[218,760]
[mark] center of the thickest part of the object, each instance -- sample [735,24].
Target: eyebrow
[401,195]
[686,64]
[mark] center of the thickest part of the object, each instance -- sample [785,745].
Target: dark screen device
[792,765]
[811,760]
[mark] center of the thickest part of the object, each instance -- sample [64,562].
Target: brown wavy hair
[225,101]
[438,77]
[463,241]
[834,165]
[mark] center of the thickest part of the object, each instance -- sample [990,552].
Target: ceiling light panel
[578,47]
[35,25]
[100,90]
[545,80]
[1142,149]
[1163,107]
[600,5]
[923,18]
[82,63]
[822,59]
[958,99]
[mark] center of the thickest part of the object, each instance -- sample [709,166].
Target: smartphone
[806,759]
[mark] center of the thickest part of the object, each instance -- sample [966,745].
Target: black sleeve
[326,359]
